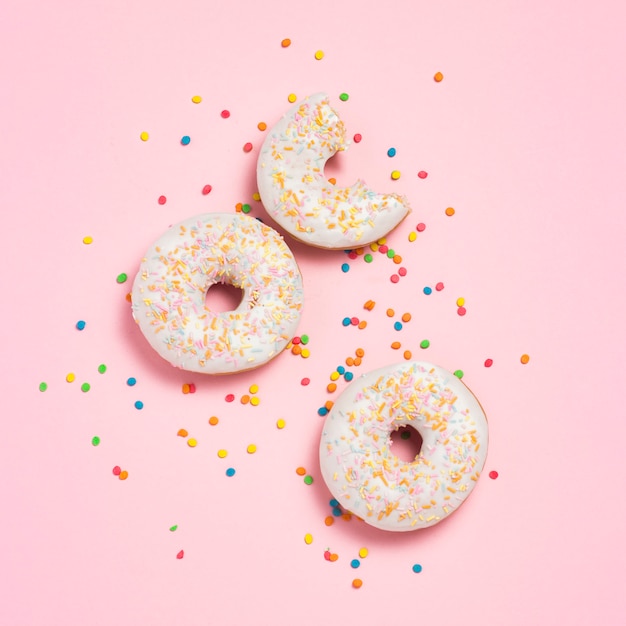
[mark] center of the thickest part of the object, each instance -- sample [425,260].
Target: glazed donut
[295,192]
[168,296]
[360,468]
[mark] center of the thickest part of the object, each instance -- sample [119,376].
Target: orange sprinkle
[406,317]
[331,387]
[300,471]
[407,355]
[285,43]
[438,77]
[333,557]
[357,583]
[357,361]
[390,312]
[296,349]
[213,420]
[182,433]
[261,126]
[346,516]
[238,207]
[362,324]
[370,304]
[328,404]
[123,475]
[359,352]
[524,359]
[450,211]
[329,520]
[396,345]
[245,398]
[129,298]
[332,181]
[349,361]
[186,388]
[397,259]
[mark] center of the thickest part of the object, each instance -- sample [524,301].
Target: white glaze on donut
[360,468]
[295,192]
[170,289]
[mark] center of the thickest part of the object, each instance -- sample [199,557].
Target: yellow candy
[395,175]
[192,443]
[308,539]
[319,55]
[255,401]
[253,388]
[222,454]
[144,136]
[70,378]
[412,236]
[251,449]
[291,97]
[196,99]
[460,301]
[280,423]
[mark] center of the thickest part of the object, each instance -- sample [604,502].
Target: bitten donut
[168,296]
[356,456]
[295,192]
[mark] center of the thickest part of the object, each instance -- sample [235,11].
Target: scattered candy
[285,43]
[180,555]
[450,211]
[488,362]
[192,443]
[343,97]
[493,474]
[357,583]
[144,136]
[87,240]
[225,114]
[319,55]
[206,190]
[85,387]
[438,77]
[251,449]
[185,140]
[524,359]
[213,420]
[131,382]
[222,454]
[102,368]
[308,539]
[395,175]
[355,563]
[230,472]
[308,479]
[162,200]
[95,441]
[417,568]
[280,423]
[196,99]
[173,528]
[139,405]
[357,138]
[80,325]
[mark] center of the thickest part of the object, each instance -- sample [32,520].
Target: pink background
[524,137]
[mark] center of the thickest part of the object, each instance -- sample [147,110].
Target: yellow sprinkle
[192,443]
[335,376]
[251,449]
[460,301]
[374,247]
[395,175]
[280,423]
[438,77]
[305,353]
[292,97]
[144,136]
[412,236]
[255,401]
[70,378]
[222,454]
[253,388]
[256,196]
[196,99]
[319,55]
[524,359]
[363,552]
[308,539]
[382,241]
[87,240]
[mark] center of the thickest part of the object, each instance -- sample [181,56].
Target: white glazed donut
[168,297]
[360,468]
[295,192]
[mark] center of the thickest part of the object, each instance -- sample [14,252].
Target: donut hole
[223,297]
[406,443]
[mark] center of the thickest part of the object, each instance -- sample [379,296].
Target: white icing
[371,482]
[170,289]
[295,192]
